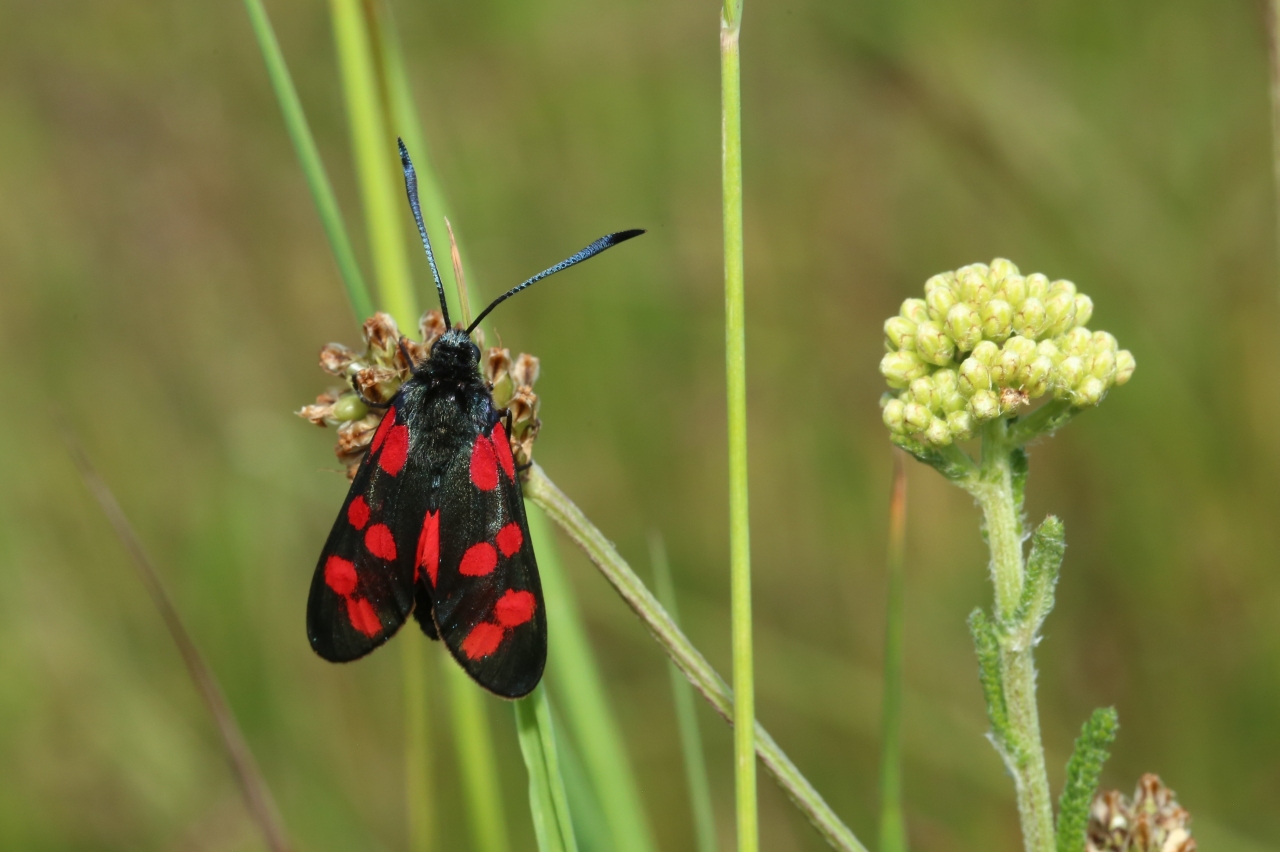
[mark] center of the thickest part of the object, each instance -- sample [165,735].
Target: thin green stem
[1021,749]
[677,646]
[548,803]
[744,711]
[580,695]
[304,144]
[417,759]
[374,153]
[472,739]
[695,760]
[893,830]
[1273,43]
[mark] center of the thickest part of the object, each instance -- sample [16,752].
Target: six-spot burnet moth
[434,523]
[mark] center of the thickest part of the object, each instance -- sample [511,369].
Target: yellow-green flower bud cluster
[986,340]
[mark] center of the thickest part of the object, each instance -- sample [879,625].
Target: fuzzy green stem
[417,759]
[677,646]
[374,152]
[304,144]
[893,830]
[736,380]
[473,740]
[1021,747]
[695,761]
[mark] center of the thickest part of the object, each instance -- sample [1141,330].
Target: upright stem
[1273,42]
[893,832]
[735,361]
[1023,751]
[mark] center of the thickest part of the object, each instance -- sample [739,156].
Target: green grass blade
[548,803]
[471,736]
[403,121]
[589,825]
[695,760]
[744,713]
[581,696]
[374,151]
[417,765]
[304,144]
[893,830]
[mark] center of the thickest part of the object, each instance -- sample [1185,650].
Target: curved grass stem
[542,491]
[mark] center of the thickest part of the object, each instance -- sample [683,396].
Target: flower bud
[336,358]
[916,416]
[900,332]
[1078,341]
[1011,399]
[939,302]
[1060,313]
[894,416]
[1024,346]
[1084,309]
[1103,340]
[933,344]
[965,326]
[997,319]
[923,392]
[961,424]
[1061,286]
[1004,372]
[1049,349]
[1104,366]
[1068,373]
[1012,289]
[945,382]
[975,285]
[899,368]
[1125,365]
[1029,320]
[1035,376]
[1089,392]
[1002,268]
[946,280]
[1037,286]
[525,370]
[985,405]
[914,309]
[938,433]
[349,407]
[974,376]
[986,352]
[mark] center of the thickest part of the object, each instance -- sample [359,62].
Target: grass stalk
[1273,44]
[253,785]
[548,802]
[417,760]
[374,152]
[893,830]
[695,760]
[542,491]
[304,144]
[580,695]
[482,793]
[744,758]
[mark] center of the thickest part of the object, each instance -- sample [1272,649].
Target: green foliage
[548,804]
[987,641]
[1083,770]
[1048,544]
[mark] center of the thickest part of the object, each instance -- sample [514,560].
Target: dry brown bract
[1152,822]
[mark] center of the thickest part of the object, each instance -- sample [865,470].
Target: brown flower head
[1152,822]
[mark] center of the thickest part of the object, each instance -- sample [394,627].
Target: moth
[434,522]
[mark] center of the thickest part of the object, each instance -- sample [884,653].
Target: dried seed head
[525,370]
[321,412]
[336,358]
[431,326]
[497,363]
[382,336]
[378,384]
[1152,822]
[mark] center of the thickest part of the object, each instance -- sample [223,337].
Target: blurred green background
[165,286]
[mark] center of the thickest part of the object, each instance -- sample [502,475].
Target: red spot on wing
[515,608]
[340,575]
[509,539]
[429,547]
[502,447]
[388,420]
[483,640]
[358,512]
[363,617]
[380,542]
[479,560]
[484,467]
[396,450]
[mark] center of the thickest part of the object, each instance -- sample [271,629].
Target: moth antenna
[411,189]
[605,242]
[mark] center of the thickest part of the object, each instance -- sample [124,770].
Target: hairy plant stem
[695,667]
[999,496]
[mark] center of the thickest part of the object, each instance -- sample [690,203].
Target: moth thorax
[453,356]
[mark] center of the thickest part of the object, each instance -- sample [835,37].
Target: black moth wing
[363,587]
[488,599]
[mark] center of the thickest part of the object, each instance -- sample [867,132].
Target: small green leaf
[1048,545]
[548,803]
[987,644]
[1083,770]
[1019,468]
